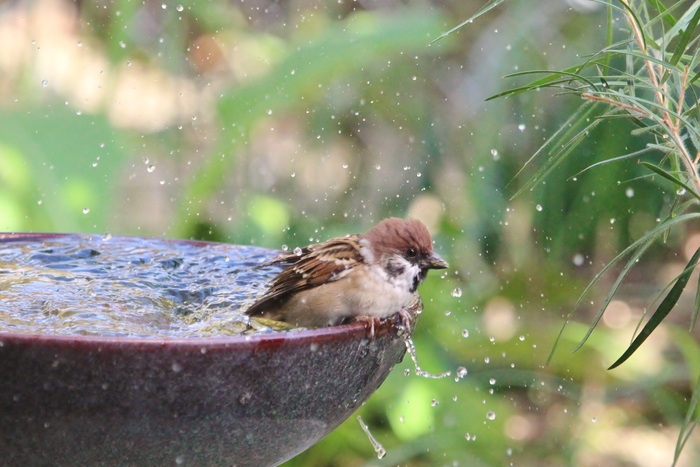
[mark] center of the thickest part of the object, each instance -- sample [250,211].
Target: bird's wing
[316,265]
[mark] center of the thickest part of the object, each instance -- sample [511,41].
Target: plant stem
[673,129]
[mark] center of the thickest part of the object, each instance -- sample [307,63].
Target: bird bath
[131,399]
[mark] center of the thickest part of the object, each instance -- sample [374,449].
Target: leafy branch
[648,77]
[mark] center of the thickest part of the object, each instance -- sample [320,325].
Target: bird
[362,277]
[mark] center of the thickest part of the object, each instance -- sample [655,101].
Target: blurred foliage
[290,122]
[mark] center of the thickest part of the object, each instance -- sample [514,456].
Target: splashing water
[378,448]
[412,352]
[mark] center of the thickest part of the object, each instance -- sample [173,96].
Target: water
[117,286]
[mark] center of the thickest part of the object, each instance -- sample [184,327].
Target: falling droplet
[457,292]
[378,448]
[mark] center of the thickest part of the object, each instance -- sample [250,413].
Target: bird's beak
[433,261]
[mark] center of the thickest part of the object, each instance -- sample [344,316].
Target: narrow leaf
[662,311]
[689,423]
[485,9]
[685,37]
[647,237]
[668,176]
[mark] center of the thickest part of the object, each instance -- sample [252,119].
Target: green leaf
[685,37]
[662,311]
[638,246]
[668,176]
[547,81]
[485,9]
[562,134]
[689,423]
[615,159]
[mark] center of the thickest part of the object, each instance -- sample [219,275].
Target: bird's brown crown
[398,235]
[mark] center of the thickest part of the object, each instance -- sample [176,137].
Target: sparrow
[362,276]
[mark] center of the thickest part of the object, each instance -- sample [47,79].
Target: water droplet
[414,78]
[522,338]
[269,111]
[39,202]
[164,6]
[122,44]
[179,460]
[177,368]
[86,210]
[491,415]
[465,333]
[539,207]
[378,167]
[106,236]
[45,82]
[297,251]
[179,8]
[150,168]
[285,248]
[80,44]
[680,191]
[378,448]
[461,372]
[494,153]
[594,420]
[457,292]
[612,220]
[468,437]
[578,259]
[629,192]
[492,381]
[434,403]
[293,174]
[521,127]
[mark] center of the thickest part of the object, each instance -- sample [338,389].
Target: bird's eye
[411,253]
